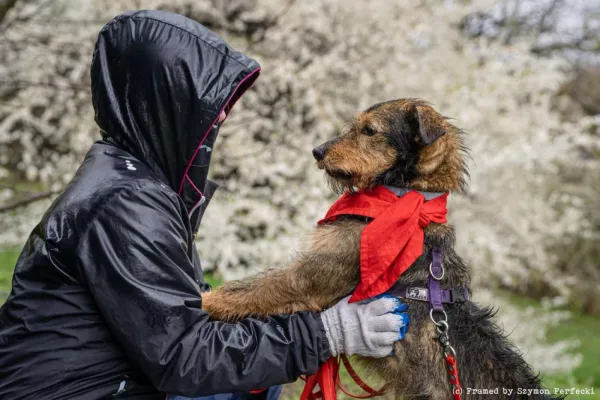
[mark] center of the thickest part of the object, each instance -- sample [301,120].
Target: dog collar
[401,191]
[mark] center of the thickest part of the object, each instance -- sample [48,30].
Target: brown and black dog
[403,143]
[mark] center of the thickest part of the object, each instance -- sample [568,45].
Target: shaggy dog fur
[402,143]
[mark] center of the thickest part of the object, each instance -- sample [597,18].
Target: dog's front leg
[325,273]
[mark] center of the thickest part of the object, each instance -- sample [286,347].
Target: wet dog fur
[403,143]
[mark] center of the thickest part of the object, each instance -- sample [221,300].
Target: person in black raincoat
[106,295]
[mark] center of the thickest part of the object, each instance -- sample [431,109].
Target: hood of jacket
[159,83]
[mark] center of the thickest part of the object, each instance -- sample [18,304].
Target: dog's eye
[367,130]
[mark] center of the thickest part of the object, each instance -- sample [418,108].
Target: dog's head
[402,143]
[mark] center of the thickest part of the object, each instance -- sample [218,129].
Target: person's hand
[367,329]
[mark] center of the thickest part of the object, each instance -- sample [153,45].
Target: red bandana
[394,239]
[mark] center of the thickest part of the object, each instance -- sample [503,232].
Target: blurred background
[522,77]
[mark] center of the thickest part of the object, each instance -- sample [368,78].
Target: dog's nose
[319,152]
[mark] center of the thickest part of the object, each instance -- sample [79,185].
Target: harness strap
[448,296]
[436,274]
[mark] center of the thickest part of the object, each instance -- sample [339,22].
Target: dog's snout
[319,152]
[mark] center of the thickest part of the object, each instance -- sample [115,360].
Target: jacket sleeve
[133,256]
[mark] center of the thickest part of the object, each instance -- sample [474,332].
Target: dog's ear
[431,124]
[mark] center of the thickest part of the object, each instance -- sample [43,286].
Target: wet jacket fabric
[106,297]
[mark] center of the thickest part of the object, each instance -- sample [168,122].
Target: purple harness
[433,293]
[437,297]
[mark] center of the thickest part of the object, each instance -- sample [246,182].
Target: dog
[401,143]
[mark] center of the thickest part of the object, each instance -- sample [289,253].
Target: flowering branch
[29,199]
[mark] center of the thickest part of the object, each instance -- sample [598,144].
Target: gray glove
[368,329]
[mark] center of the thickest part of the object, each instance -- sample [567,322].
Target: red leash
[453,377]
[362,384]
[327,379]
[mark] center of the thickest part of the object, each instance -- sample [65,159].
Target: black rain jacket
[106,293]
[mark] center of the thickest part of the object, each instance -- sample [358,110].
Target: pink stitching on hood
[185,174]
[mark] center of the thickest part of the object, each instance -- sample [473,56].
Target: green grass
[213,279]
[584,328]
[8,259]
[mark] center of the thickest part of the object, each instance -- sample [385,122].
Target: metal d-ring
[442,327]
[431,272]
[441,322]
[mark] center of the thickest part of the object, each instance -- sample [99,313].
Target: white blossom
[322,62]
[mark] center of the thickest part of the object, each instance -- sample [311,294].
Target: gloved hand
[368,329]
